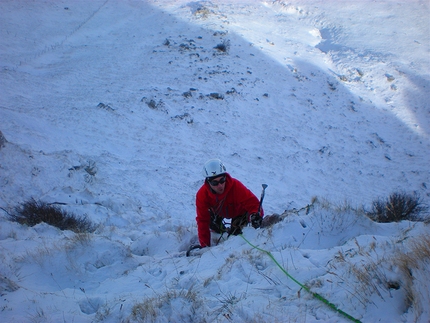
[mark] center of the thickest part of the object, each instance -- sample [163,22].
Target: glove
[256,220]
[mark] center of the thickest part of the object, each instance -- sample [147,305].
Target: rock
[3,140]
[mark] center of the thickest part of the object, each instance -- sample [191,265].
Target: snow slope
[110,108]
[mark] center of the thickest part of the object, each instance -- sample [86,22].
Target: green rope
[316,295]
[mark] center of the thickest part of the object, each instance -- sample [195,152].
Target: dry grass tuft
[161,307]
[414,267]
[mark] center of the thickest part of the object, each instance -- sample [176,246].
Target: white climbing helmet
[213,167]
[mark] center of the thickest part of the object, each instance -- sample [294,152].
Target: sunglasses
[216,183]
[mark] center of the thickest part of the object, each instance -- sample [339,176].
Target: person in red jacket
[224,197]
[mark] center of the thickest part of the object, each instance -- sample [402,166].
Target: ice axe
[262,197]
[257,221]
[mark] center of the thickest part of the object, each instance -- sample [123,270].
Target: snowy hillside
[110,108]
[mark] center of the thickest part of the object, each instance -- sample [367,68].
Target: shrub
[224,46]
[34,212]
[398,207]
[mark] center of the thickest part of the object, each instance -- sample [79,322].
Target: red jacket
[235,201]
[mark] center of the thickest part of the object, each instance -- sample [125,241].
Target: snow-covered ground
[110,108]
